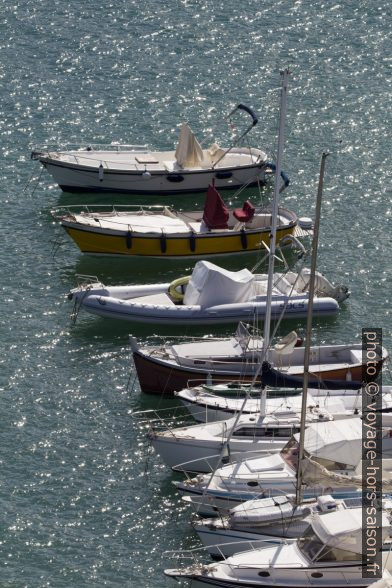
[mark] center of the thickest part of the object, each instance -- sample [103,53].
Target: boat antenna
[274,223]
[308,335]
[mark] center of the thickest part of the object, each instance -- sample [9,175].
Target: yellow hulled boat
[163,232]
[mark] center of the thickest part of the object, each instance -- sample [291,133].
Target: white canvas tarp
[343,529]
[210,285]
[339,441]
[189,152]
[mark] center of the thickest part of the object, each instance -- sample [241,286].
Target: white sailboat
[329,555]
[203,447]
[267,521]
[336,445]
[222,401]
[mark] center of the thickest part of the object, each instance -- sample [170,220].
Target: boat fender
[128,239]
[192,241]
[179,282]
[223,175]
[163,243]
[244,238]
[100,172]
[175,178]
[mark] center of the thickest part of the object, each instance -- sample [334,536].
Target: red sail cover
[216,213]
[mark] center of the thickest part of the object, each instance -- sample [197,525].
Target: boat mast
[308,336]
[274,224]
[282,117]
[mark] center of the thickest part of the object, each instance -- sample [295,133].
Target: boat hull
[333,578]
[172,246]
[158,314]
[204,456]
[157,376]
[79,178]
[212,502]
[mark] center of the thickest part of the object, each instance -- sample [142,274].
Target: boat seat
[146,158]
[246,213]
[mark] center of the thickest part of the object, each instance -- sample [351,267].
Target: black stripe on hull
[79,189]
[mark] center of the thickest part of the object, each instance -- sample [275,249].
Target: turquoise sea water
[83,502]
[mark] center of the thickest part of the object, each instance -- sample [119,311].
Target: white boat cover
[267,510]
[343,528]
[339,441]
[188,152]
[211,284]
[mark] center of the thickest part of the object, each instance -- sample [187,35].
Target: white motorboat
[202,447]
[265,521]
[211,295]
[222,401]
[329,555]
[137,169]
[337,445]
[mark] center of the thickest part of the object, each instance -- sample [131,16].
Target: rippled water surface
[83,502]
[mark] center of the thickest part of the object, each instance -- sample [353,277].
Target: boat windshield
[316,550]
[310,545]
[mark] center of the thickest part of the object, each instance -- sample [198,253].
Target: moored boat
[137,169]
[211,295]
[331,553]
[212,403]
[163,232]
[337,445]
[168,367]
[265,521]
[203,447]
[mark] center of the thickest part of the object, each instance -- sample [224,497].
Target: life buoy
[173,292]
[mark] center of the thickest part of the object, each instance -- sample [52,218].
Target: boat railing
[212,465]
[193,554]
[189,468]
[163,419]
[84,281]
[233,386]
[38,149]
[109,209]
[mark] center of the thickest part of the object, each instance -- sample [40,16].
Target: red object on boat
[216,213]
[246,213]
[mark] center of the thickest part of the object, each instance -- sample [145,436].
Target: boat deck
[151,160]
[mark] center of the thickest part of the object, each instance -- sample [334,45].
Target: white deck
[153,160]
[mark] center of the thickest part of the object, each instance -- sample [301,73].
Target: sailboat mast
[274,224]
[308,336]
